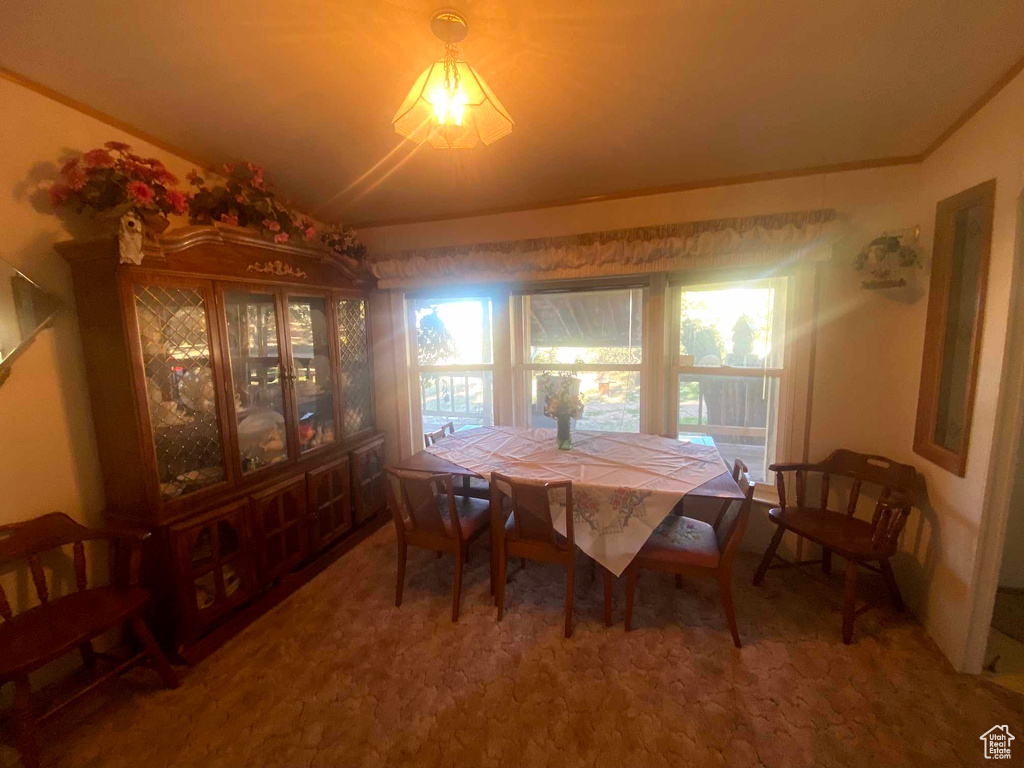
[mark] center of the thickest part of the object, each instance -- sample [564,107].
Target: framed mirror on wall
[25,310]
[956,310]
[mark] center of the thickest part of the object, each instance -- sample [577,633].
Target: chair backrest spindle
[80,577]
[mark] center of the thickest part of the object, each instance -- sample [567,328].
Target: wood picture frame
[956,311]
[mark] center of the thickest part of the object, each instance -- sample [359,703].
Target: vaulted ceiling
[607,96]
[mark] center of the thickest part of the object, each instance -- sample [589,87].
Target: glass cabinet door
[354,366]
[174,335]
[256,377]
[311,370]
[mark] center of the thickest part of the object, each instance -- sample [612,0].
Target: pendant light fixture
[450,105]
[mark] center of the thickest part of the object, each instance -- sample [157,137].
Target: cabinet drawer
[279,527]
[329,503]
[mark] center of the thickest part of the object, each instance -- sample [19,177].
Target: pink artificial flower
[73,176]
[118,146]
[240,198]
[272,225]
[165,177]
[255,170]
[178,201]
[227,219]
[98,158]
[140,192]
[258,183]
[228,168]
[72,163]
[281,237]
[310,233]
[59,194]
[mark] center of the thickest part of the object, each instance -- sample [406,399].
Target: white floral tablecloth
[623,484]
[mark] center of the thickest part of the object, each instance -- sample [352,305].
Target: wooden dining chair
[59,625]
[427,514]
[687,547]
[476,487]
[863,543]
[523,527]
[429,438]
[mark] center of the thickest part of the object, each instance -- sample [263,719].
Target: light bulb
[448,110]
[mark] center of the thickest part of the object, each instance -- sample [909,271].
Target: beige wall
[869,347]
[48,455]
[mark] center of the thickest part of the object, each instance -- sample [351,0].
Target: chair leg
[769,554]
[493,565]
[25,723]
[826,561]
[725,594]
[569,578]
[593,569]
[88,654]
[630,587]
[502,578]
[850,601]
[890,583]
[142,632]
[460,564]
[607,575]
[403,553]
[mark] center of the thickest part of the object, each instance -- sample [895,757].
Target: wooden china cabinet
[231,383]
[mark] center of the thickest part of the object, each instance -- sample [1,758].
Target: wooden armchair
[523,527]
[860,542]
[39,635]
[427,515]
[688,547]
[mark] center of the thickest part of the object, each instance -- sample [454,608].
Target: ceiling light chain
[451,69]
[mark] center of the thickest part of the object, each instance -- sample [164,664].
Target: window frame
[498,299]
[783,374]
[522,367]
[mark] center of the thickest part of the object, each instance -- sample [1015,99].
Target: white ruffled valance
[752,241]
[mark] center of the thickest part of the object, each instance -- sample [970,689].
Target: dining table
[624,484]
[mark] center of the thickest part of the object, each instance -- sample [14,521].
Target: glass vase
[564,437]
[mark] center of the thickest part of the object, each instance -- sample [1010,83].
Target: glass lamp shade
[473,114]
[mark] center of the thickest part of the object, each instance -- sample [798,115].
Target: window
[453,360]
[597,337]
[728,366]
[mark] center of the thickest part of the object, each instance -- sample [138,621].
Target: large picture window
[728,367]
[453,360]
[594,336]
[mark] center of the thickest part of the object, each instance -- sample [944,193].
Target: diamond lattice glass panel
[180,387]
[256,378]
[357,380]
[311,365]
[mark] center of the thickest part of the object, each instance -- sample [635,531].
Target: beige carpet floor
[337,676]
